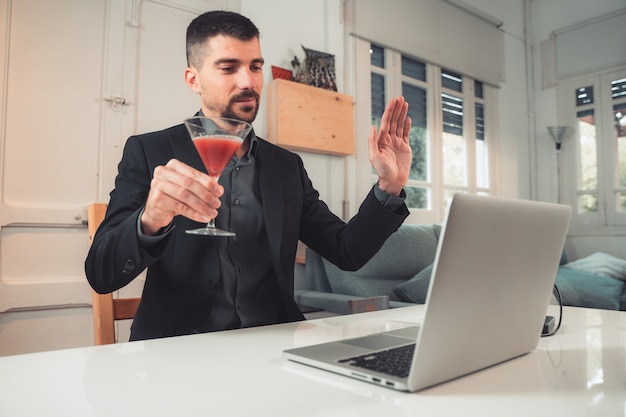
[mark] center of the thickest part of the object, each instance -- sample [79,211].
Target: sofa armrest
[340,303]
[363,305]
[399,304]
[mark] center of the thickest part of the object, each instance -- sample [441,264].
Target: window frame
[434,121]
[607,220]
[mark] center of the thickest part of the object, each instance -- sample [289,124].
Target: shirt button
[237,168]
[235,238]
[237,202]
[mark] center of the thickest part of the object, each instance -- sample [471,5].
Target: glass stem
[211,224]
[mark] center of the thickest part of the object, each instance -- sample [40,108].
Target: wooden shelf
[301,117]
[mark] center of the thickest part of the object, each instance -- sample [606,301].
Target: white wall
[549,16]
[285,28]
[528,162]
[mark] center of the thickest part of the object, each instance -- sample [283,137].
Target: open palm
[389,150]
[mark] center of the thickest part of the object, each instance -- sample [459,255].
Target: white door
[77,77]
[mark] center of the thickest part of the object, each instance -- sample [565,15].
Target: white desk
[579,372]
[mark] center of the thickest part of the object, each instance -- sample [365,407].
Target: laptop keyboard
[396,361]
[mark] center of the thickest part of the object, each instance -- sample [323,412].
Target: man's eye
[227,69]
[257,68]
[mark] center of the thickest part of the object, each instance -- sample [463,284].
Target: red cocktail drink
[216,151]
[216,139]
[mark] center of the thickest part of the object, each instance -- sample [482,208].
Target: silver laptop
[491,284]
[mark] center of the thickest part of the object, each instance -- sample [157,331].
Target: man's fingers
[394,117]
[402,120]
[183,190]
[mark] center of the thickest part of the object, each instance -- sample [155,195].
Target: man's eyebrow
[237,61]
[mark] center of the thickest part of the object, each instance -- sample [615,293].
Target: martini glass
[216,139]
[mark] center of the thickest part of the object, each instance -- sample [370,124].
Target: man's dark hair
[215,23]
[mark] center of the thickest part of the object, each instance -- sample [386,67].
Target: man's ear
[191,79]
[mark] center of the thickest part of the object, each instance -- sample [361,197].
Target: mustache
[246,95]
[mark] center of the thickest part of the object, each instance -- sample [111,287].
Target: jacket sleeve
[115,257]
[348,245]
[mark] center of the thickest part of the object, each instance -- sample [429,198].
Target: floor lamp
[559,134]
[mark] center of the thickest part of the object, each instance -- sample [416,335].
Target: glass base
[209,231]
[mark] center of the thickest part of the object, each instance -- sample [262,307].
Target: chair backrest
[106,309]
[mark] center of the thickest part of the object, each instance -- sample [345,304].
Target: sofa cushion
[415,289]
[583,289]
[315,273]
[406,252]
[577,288]
[602,264]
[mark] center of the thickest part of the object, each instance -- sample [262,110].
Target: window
[596,186]
[449,134]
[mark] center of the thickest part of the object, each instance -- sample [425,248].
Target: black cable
[557,293]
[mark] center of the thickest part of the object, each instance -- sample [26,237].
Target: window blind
[591,45]
[435,31]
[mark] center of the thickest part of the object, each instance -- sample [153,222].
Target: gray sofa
[399,275]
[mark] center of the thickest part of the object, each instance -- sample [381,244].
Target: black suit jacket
[183,270]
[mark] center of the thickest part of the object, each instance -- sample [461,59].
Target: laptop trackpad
[385,340]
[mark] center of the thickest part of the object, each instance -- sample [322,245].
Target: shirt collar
[253,144]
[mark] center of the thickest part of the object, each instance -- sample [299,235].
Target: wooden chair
[106,309]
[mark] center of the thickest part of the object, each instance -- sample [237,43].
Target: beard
[246,113]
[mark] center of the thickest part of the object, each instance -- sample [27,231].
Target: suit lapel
[184,150]
[273,204]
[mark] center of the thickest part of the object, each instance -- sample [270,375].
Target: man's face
[230,79]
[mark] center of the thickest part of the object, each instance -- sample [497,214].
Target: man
[198,283]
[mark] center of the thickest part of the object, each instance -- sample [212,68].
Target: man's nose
[245,78]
